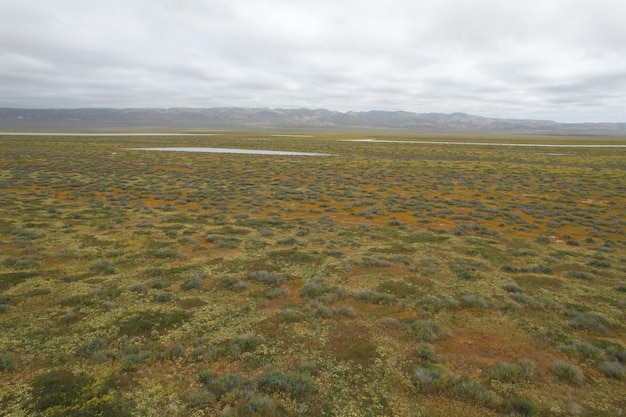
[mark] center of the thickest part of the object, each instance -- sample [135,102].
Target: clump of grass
[391,323]
[429,331]
[567,372]
[523,370]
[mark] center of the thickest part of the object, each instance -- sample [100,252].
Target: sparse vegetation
[390,279]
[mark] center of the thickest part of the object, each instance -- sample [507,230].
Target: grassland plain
[391,279]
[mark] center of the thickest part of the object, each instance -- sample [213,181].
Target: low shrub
[524,407]
[428,379]
[6,364]
[294,384]
[523,370]
[193,282]
[567,372]
[513,288]
[144,322]
[591,322]
[426,352]
[373,297]
[267,277]
[244,343]
[612,370]
[217,387]
[473,391]
[429,331]
[585,276]
[233,284]
[132,362]
[92,347]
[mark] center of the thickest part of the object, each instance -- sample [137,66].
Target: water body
[234,150]
[525,145]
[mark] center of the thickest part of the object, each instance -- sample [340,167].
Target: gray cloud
[549,59]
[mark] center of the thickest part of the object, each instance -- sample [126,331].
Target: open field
[390,279]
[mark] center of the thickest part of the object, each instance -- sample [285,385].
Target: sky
[562,60]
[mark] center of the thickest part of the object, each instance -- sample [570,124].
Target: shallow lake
[234,150]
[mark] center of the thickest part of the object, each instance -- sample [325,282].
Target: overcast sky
[563,60]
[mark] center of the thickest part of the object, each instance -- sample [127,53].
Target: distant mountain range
[287,119]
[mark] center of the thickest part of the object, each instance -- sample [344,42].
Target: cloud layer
[550,59]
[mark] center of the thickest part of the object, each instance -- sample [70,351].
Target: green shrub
[524,407]
[429,379]
[63,393]
[132,362]
[591,322]
[567,372]
[165,253]
[584,350]
[513,288]
[144,322]
[473,391]
[276,293]
[217,387]
[288,315]
[373,297]
[612,370]
[523,370]
[233,284]
[266,277]
[426,352]
[92,347]
[244,343]
[318,288]
[164,297]
[598,263]
[473,301]
[6,364]
[193,282]
[585,276]
[293,384]
[428,331]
